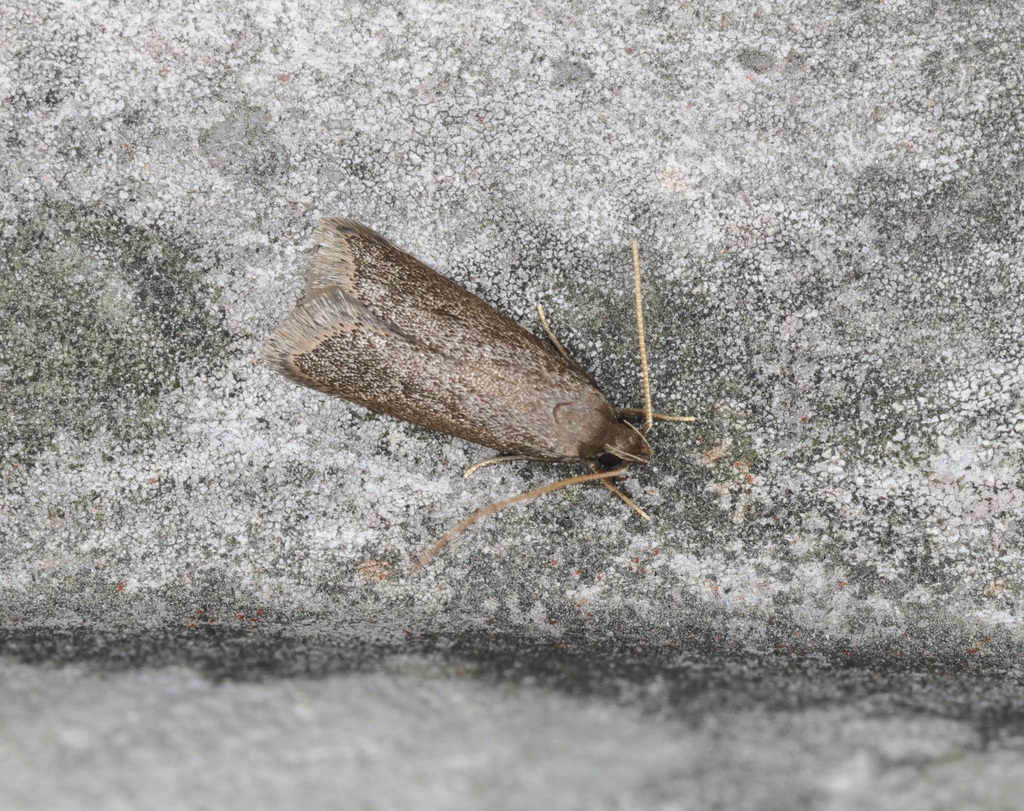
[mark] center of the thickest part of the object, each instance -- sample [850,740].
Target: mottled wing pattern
[382,329]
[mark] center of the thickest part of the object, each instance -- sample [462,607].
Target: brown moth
[378,327]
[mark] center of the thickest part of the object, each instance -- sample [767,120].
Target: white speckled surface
[828,199]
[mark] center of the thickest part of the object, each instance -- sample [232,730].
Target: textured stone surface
[828,200]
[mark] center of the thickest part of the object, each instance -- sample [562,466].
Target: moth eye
[609,461]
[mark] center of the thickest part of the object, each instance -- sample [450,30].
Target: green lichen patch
[100,318]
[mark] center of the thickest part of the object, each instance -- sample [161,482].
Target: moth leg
[626,499]
[494,460]
[450,536]
[641,412]
[551,335]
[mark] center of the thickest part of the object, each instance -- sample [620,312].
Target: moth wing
[334,344]
[330,318]
[349,255]
[382,329]
[400,289]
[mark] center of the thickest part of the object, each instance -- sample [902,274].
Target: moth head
[623,444]
[590,429]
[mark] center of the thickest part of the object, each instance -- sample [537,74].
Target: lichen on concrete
[102,319]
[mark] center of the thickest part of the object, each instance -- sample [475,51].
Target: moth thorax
[624,444]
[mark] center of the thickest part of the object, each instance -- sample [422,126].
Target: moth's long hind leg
[450,536]
[494,460]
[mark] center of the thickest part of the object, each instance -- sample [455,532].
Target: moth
[380,328]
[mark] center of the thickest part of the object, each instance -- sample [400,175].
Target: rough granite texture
[207,585]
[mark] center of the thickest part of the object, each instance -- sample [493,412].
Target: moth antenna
[450,536]
[626,499]
[633,412]
[494,460]
[551,335]
[639,412]
[648,411]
